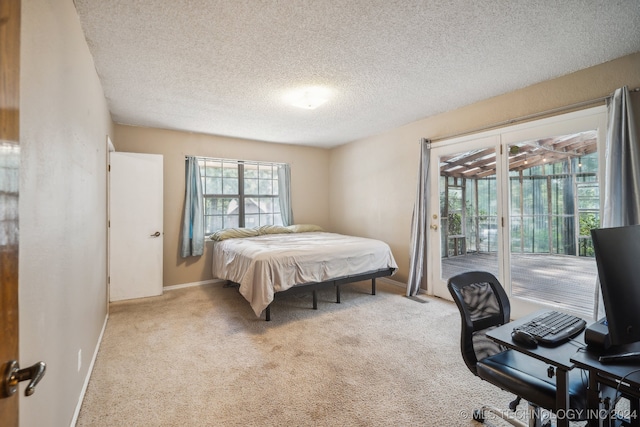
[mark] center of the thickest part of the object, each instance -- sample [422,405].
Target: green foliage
[455,223]
[588,221]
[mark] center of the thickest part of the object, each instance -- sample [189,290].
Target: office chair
[484,305]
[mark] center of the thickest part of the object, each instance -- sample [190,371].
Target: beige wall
[309,176]
[64,122]
[373,180]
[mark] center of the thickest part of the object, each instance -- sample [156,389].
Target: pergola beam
[482,163]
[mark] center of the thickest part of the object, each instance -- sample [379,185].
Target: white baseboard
[400,285]
[188,285]
[392,282]
[74,420]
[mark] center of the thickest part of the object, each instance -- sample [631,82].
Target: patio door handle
[434,227]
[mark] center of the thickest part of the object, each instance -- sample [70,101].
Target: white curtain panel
[284,194]
[621,185]
[419,225]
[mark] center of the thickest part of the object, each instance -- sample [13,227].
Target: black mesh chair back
[483,305]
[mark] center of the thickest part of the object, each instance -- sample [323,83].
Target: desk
[610,375]
[559,357]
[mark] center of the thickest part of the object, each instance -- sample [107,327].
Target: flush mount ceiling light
[309,98]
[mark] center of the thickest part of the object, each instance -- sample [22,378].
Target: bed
[269,260]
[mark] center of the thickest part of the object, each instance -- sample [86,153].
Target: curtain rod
[234,160]
[529,117]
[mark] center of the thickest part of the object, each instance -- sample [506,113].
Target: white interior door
[136,225]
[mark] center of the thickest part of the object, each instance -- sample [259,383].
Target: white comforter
[272,263]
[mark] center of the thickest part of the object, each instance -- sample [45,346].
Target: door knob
[156,234]
[13,375]
[433,226]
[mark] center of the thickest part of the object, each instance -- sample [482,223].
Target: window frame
[241,197]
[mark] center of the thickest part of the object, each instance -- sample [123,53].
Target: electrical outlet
[79,359]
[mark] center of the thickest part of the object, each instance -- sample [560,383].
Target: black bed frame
[333,282]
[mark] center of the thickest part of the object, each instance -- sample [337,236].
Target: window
[239,193]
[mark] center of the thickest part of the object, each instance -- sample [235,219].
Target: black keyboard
[553,327]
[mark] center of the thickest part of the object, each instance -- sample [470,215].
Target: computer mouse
[524,338]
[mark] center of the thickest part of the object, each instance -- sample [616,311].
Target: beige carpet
[200,357]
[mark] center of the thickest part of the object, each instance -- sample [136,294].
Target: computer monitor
[618,258]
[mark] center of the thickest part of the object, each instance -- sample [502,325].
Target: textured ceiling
[224,66]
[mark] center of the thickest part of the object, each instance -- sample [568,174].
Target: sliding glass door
[520,203]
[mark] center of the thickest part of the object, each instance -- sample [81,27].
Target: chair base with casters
[537,420]
[480,414]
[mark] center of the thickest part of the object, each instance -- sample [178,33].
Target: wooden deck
[567,282]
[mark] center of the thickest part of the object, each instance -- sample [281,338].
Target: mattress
[266,264]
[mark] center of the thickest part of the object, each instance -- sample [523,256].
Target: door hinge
[109,168]
[502,221]
[501,150]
